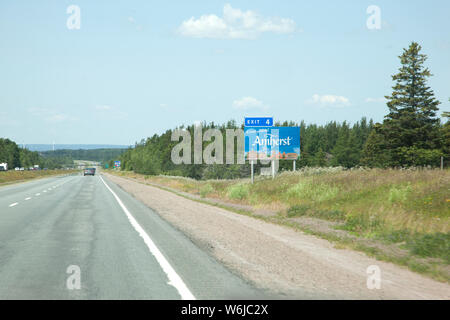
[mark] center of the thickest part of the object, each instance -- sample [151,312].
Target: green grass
[399,194]
[317,192]
[206,190]
[306,210]
[435,245]
[238,191]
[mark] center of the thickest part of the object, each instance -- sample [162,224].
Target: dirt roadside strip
[279,259]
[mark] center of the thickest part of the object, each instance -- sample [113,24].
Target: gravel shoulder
[286,262]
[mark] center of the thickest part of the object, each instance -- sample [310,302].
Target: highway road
[76,237]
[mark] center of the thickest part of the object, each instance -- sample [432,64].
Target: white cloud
[369,100]
[50,115]
[103,107]
[329,100]
[60,117]
[131,19]
[235,24]
[247,103]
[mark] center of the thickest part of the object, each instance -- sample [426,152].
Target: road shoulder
[278,258]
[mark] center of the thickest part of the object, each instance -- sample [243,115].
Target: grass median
[7,177]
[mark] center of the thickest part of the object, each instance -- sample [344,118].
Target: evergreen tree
[411,129]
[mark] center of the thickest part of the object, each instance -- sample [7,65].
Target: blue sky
[135,68]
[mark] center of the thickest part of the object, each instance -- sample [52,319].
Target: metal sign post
[293,165]
[251,164]
[273,169]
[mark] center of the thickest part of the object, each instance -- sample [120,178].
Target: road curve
[55,229]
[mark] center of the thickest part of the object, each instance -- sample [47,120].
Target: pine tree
[411,129]
[412,107]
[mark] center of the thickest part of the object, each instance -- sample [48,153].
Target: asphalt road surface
[76,237]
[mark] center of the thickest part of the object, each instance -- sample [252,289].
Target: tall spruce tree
[410,130]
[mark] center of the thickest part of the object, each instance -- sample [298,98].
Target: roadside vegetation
[17,176]
[402,216]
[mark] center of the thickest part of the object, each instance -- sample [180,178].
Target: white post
[273,169]
[293,165]
[251,165]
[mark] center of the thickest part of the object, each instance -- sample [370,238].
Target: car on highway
[89,172]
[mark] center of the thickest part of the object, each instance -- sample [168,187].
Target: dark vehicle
[89,172]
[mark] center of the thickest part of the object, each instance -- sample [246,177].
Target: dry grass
[16,176]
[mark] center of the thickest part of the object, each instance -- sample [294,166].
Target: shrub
[205,190]
[238,191]
[399,194]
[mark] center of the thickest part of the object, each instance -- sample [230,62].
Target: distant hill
[49,147]
[99,155]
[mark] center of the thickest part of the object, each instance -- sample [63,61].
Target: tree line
[15,156]
[410,135]
[98,155]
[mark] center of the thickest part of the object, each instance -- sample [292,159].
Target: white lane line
[37,194]
[44,191]
[26,199]
[13,204]
[174,279]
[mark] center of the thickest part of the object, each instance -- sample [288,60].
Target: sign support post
[273,169]
[251,165]
[293,165]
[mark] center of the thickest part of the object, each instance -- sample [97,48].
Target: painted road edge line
[174,279]
[13,204]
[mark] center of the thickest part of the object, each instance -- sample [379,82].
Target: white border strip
[174,279]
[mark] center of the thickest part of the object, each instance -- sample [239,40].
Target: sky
[121,71]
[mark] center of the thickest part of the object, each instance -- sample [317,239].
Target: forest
[411,135]
[15,156]
[98,155]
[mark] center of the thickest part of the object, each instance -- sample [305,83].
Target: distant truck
[3,166]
